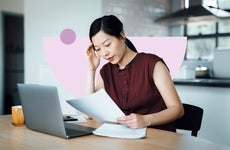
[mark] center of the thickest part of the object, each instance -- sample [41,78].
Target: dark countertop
[210,82]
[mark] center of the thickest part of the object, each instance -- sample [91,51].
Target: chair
[191,120]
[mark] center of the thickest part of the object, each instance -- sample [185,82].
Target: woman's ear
[123,37]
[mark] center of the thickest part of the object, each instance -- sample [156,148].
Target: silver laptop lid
[41,108]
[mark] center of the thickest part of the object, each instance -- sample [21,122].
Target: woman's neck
[127,58]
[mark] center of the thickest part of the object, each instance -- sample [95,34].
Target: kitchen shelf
[210,82]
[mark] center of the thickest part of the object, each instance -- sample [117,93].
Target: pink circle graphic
[68,36]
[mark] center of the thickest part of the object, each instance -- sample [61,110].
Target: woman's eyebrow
[105,41]
[102,42]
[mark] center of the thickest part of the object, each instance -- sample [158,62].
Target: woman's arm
[169,94]
[174,109]
[91,86]
[90,82]
[93,63]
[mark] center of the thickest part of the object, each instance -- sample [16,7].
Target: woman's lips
[110,59]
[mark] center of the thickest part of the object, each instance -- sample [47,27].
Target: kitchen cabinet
[216,103]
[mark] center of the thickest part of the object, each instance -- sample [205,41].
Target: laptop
[42,112]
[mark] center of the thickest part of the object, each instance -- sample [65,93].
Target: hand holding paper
[101,107]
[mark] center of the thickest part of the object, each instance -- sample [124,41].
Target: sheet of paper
[99,106]
[119,131]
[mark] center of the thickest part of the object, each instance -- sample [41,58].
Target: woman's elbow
[180,111]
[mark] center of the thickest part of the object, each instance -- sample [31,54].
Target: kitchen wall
[138,16]
[78,15]
[13,6]
[43,19]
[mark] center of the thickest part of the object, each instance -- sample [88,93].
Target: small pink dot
[68,36]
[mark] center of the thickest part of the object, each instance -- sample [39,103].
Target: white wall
[13,6]
[42,19]
[215,102]
[48,18]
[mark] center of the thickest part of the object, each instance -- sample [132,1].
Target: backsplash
[138,15]
[187,70]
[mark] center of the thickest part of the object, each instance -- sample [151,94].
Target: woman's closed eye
[107,45]
[98,49]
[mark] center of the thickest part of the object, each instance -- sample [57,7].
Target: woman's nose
[105,52]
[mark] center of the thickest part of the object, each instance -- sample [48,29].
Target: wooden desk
[12,137]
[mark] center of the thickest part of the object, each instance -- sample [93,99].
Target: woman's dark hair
[110,25]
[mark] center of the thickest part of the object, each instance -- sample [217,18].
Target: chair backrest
[191,120]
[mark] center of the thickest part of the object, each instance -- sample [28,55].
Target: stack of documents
[119,131]
[101,107]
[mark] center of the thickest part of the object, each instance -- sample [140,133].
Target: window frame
[215,35]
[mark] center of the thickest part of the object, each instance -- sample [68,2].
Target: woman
[139,83]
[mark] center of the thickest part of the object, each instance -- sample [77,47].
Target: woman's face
[109,47]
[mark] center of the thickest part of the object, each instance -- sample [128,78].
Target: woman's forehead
[101,37]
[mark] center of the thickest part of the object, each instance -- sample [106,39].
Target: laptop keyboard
[74,129]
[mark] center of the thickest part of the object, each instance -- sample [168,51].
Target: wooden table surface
[20,137]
